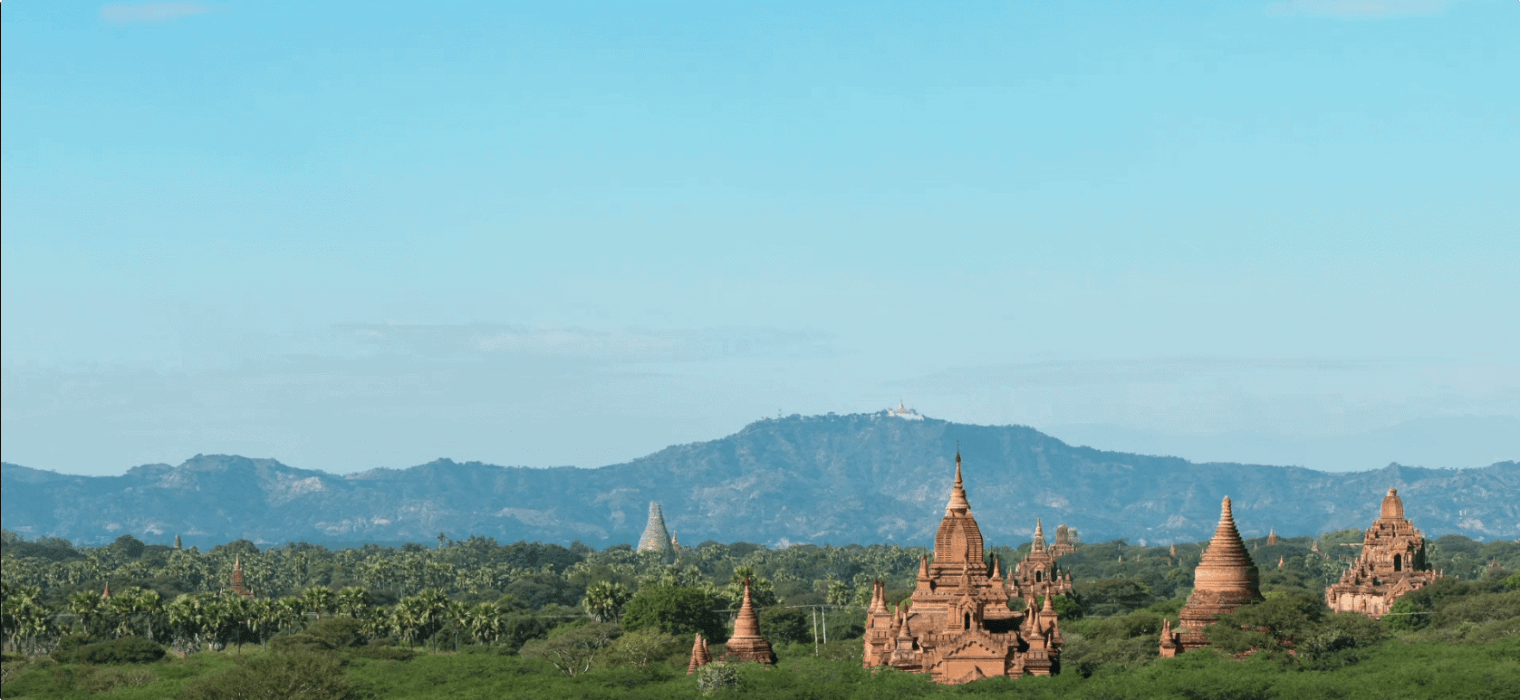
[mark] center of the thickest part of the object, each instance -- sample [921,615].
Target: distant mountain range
[859,478]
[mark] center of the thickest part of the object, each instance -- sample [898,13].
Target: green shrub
[339,632]
[384,650]
[106,680]
[1477,608]
[782,625]
[716,677]
[332,634]
[1269,628]
[276,677]
[677,610]
[126,650]
[299,643]
[1114,596]
[1341,640]
[641,648]
[573,650]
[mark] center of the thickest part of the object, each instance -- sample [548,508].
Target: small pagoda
[235,584]
[746,644]
[700,655]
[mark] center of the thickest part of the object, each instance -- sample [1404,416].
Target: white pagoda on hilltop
[904,412]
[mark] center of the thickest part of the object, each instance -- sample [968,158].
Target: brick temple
[235,584]
[957,625]
[1391,565]
[1038,572]
[1066,541]
[1225,579]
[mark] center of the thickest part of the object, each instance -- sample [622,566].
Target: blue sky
[350,235]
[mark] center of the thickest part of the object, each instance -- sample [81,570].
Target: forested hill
[825,479]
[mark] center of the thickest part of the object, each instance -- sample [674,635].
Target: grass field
[1394,669]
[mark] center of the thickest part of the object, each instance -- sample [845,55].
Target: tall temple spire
[958,502]
[1038,545]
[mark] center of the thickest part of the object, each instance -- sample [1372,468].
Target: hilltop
[826,479]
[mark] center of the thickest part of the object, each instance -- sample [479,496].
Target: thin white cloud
[595,344]
[1358,8]
[148,12]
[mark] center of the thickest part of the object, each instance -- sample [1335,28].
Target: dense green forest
[482,619]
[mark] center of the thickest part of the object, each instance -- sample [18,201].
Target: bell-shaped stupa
[746,644]
[1225,579]
[656,538]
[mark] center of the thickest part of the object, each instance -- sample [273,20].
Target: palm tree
[318,600]
[839,593]
[186,622]
[457,615]
[83,605]
[352,601]
[288,613]
[486,623]
[605,600]
[149,609]
[263,619]
[409,618]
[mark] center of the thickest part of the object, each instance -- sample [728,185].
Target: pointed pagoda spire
[958,502]
[746,644]
[1038,543]
[1225,579]
[699,655]
[1168,640]
[1226,545]
[1281,561]
[107,592]
[236,582]
[747,624]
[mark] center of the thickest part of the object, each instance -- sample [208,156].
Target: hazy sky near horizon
[350,235]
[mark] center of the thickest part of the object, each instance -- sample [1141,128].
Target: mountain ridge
[855,478]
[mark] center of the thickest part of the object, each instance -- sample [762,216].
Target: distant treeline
[534,574]
[578,611]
